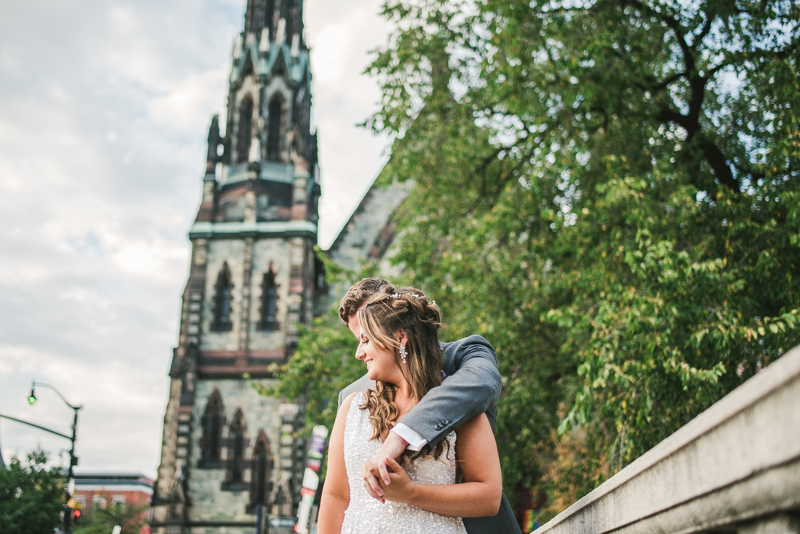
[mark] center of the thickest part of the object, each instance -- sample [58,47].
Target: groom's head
[358,294]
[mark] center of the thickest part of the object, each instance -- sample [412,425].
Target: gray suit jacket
[472,387]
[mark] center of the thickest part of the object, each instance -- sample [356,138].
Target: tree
[102,520]
[608,190]
[31,495]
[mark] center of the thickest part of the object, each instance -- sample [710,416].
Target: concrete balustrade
[734,468]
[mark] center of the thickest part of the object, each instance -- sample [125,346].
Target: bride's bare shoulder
[348,401]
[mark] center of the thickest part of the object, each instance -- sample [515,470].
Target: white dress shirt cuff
[414,440]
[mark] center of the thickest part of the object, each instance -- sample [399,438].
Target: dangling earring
[403,353]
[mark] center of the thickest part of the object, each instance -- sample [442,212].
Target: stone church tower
[253,279]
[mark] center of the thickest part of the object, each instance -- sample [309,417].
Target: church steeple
[253,279]
[269,98]
[267,14]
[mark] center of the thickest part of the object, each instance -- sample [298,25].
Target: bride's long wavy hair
[387,312]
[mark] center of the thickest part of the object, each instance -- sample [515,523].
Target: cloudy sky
[104,110]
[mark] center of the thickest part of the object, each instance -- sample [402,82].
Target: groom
[472,386]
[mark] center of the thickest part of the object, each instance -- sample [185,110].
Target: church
[253,278]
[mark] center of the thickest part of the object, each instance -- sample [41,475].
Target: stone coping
[270,170]
[736,462]
[210,229]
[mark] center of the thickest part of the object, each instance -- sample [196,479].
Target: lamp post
[73,460]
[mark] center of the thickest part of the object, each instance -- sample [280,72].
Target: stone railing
[734,468]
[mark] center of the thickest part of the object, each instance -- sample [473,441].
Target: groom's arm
[470,391]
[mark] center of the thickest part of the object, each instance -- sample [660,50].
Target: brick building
[100,490]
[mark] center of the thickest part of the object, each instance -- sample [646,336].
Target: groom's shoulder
[466,344]
[362,384]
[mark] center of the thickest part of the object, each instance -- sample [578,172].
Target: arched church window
[274,129]
[269,301]
[245,132]
[262,467]
[213,420]
[236,440]
[222,299]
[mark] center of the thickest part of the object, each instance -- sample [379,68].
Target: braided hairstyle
[388,311]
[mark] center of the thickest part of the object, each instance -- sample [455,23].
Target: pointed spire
[295,46]
[214,141]
[237,47]
[280,35]
[263,45]
[250,40]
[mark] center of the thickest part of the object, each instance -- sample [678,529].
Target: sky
[104,114]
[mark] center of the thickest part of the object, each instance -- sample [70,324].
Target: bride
[400,347]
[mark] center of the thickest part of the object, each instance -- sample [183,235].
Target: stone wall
[209,502]
[734,468]
[232,252]
[363,236]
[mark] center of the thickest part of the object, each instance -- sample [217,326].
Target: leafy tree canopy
[31,495]
[608,191]
[103,520]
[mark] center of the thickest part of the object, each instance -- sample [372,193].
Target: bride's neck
[403,398]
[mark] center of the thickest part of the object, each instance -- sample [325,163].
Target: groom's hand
[375,470]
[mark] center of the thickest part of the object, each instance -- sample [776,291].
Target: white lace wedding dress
[366,515]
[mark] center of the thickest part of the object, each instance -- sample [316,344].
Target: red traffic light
[76,516]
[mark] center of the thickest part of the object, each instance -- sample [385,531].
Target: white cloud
[187,106]
[104,110]
[330,53]
[145,258]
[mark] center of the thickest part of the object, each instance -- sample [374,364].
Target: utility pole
[73,460]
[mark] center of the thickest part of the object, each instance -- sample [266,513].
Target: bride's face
[381,363]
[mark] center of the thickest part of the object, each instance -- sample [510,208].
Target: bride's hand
[400,488]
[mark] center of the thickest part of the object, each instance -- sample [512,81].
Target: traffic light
[77,514]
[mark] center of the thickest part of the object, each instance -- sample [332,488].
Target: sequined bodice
[366,515]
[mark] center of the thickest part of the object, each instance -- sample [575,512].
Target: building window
[213,419]
[81,500]
[98,503]
[118,502]
[245,131]
[274,129]
[262,469]
[269,301]
[222,300]
[236,446]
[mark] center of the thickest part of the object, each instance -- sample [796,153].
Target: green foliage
[31,496]
[608,191]
[102,520]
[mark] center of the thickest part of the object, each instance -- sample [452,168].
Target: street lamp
[73,460]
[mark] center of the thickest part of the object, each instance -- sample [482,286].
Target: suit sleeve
[471,390]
